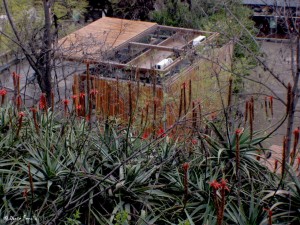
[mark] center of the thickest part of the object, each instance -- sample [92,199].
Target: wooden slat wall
[113,99]
[204,86]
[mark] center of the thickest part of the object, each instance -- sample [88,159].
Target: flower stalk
[185,167]
[34,115]
[296,133]
[271,105]
[20,120]
[219,200]
[3,93]
[283,162]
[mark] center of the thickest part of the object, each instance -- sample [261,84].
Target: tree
[37,41]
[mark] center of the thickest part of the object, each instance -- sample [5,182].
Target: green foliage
[74,220]
[104,173]
[121,218]
[231,19]
[28,17]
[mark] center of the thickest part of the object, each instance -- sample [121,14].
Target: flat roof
[101,36]
[127,44]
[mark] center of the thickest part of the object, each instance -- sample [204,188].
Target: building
[154,72]
[275,18]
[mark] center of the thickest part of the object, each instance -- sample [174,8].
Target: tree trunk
[47,53]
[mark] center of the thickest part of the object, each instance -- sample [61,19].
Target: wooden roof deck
[101,36]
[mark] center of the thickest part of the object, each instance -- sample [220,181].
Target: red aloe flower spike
[252,107]
[16,80]
[43,102]
[224,188]
[194,141]
[161,133]
[78,108]
[3,93]
[66,103]
[190,92]
[180,103]
[271,104]
[21,115]
[239,131]
[184,98]
[283,156]
[298,163]
[186,166]
[82,95]
[223,185]
[93,92]
[215,185]
[194,116]
[74,97]
[296,133]
[19,102]
[25,193]
[270,213]
[276,165]
[145,135]
[34,112]
[266,107]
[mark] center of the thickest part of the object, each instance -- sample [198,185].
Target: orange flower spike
[215,184]
[43,102]
[271,104]
[239,131]
[276,165]
[82,95]
[78,108]
[186,166]
[16,80]
[194,142]
[296,133]
[3,93]
[296,140]
[161,133]
[19,102]
[223,185]
[266,107]
[66,103]
[298,164]
[145,135]
[21,115]
[270,213]
[34,112]
[94,92]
